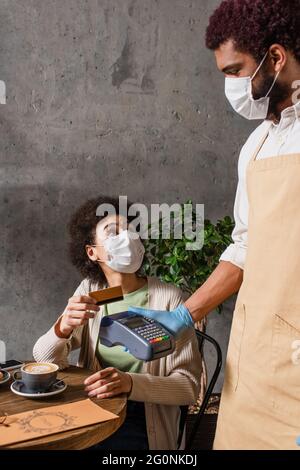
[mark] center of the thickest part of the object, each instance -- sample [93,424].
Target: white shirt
[283,139]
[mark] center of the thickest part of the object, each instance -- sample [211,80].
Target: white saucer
[5,378]
[55,390]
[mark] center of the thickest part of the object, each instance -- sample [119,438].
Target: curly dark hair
[254,25]
[82,231]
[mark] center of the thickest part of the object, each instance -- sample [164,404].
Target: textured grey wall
[103,96]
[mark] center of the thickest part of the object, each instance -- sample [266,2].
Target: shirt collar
[288,116]
[292,111]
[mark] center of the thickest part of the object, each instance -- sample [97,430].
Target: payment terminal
[145,339]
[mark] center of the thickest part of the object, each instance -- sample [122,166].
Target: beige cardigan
[163,384]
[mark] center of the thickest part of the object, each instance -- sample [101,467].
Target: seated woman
[107,255]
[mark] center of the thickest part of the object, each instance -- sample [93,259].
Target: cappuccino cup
[37,376]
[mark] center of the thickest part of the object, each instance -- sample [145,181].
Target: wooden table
[68,440]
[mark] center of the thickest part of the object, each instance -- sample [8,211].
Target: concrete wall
[103,96]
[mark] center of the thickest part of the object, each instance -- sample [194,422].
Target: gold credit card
[107,296]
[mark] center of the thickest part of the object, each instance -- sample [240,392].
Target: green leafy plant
[169,260]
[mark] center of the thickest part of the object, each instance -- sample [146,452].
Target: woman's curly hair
[254,25]
[82,231]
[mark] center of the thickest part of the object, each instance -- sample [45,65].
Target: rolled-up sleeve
[237,251]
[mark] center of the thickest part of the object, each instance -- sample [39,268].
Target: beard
[279,93]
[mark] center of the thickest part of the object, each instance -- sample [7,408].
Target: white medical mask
[239,93]
[125,252]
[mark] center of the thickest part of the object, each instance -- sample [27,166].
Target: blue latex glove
[298,441]
[174,321]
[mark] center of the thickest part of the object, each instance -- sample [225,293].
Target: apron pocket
[235,346]
[285,366]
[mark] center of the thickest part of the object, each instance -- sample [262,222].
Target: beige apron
[260,405]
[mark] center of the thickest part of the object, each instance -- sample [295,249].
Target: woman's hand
[107,383]
[79,311]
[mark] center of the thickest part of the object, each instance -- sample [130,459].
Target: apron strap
[265,136]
